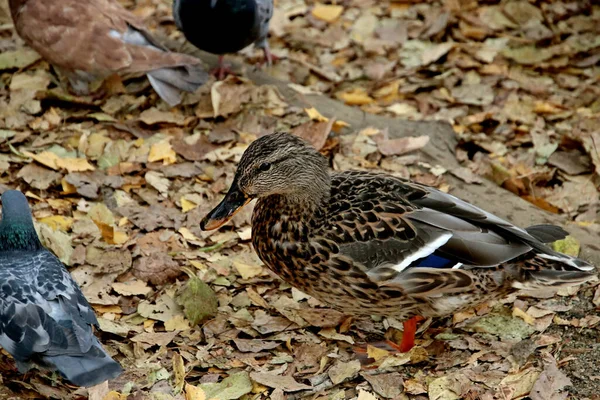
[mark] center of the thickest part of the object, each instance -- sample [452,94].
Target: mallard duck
[373,244]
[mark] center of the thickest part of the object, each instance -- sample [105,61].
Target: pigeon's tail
[89,369]
[170,82]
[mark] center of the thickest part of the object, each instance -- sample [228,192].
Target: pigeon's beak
[227,208]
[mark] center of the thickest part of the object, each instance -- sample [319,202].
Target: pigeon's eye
[264,166]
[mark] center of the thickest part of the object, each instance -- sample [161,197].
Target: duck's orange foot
[408,336]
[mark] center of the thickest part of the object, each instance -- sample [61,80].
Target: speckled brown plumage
[369,243]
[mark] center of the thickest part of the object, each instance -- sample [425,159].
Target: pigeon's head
[277,164]
[17,231]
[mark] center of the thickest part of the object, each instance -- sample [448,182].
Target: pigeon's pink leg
[269,57]
[222,70]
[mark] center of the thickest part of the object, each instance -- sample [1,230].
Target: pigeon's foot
[269,57]
[222,70]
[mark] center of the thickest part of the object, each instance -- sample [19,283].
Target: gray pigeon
[225,26]
[45,320]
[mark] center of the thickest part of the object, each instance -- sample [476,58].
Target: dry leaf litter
[118,187]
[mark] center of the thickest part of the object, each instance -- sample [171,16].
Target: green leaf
[198,300]
[230,388]
[569,246]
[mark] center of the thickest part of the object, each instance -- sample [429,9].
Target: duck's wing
[426,241]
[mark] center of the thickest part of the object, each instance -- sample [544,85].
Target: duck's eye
[264,166]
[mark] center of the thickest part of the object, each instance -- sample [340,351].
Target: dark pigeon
[225,26]
[45,320]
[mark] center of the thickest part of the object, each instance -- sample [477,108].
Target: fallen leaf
[327,12]
[198,300]
[396,147]
[149,339]
[231,388]
[132,288]
[569,246]
[355,97]
[342,370]
[550,382]
[284,382]
[364,395]
[162,151]
[178,373]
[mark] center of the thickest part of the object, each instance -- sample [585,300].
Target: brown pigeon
[94,39]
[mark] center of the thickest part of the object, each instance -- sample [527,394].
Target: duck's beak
[227,208]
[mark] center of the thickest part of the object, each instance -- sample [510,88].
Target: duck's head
[276,164]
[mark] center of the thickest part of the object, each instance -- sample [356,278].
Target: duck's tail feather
[169,83]
[547,233]
[555,270]
[88,369]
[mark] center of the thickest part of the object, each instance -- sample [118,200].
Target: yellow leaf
[541,107]
[194,393]
[162,151]
[177,323]
[32,195]
[338,125]
[315,115]
[99,212]
[46,158]
[327,12]
[355,97]
[187,205]
[149,325]
[179,372]
[67,187]
[112,395]
[517,312]
[103,309]
[74,164]
[187,234]
[60,204]
[58,222]
[119,237]
[198,265]
[247,271]
[110,234]
[376,353]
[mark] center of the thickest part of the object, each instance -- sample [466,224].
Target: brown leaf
[157,269]
[321,317]
[39,177]
[396,147]
[149,339]
[283,382]
[314,132]
[386,385]
[551,382]
[193,150]
[254,345]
